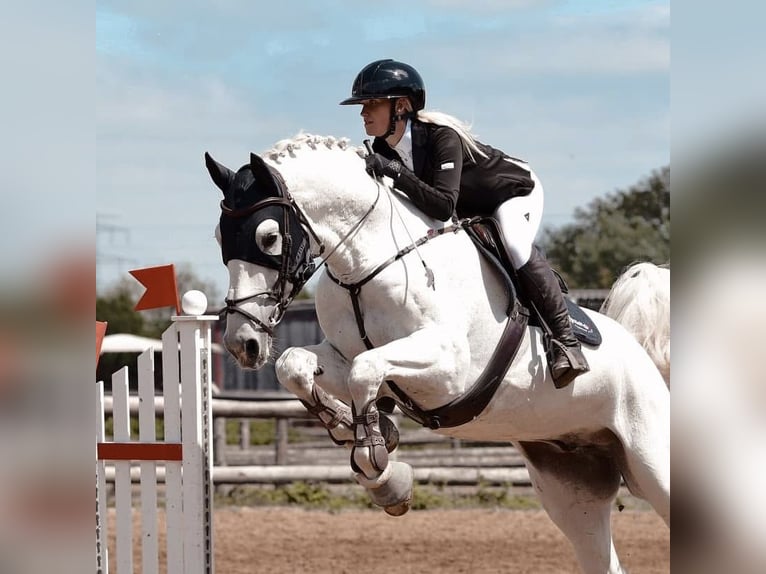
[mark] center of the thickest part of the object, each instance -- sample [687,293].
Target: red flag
[161,289]
[100,332]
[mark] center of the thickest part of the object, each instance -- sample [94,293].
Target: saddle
[486,235]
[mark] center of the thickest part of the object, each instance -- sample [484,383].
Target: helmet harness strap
[392,122]
[396,117]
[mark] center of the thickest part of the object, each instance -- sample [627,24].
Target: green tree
[116,308]
[612,232]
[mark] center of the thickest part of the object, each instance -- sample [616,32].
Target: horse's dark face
[243,190]
[243,240]
[265,267]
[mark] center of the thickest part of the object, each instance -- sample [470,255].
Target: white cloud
[625,43]
[580,95]
[488,5]
[152,135]
[614,53]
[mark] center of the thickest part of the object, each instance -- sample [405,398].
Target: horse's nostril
[251,348]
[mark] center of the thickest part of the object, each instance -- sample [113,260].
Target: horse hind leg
[645,456]
[577,489]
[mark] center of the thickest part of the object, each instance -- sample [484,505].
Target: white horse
[418,325]
[640,301]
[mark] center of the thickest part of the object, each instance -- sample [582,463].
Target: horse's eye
[268,237]
[270,240]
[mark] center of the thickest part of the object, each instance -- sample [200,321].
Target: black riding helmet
[388,79]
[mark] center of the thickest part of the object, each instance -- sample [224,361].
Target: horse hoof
[392,490]
[399,509]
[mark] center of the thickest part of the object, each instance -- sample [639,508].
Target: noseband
[232,306]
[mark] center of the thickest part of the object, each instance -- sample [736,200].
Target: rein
[348,234]
[355,289]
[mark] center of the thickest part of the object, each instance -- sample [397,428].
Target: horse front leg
[428,358]
[317,375]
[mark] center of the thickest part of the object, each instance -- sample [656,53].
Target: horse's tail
[640,301]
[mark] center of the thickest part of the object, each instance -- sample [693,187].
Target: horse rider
[434,159]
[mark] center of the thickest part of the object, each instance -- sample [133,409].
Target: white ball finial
[194,302]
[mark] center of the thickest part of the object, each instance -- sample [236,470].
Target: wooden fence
[434,458]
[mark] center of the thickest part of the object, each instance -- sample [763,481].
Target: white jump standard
[185,453]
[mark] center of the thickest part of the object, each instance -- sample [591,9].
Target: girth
[470,404]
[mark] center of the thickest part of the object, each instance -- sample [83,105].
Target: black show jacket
[445,180]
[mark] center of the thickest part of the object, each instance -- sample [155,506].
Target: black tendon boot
[565,357]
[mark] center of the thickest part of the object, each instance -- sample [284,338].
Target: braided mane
[287,147]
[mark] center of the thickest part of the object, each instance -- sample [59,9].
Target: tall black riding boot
[565,357]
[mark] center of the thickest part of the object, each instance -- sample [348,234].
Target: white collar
[404,146]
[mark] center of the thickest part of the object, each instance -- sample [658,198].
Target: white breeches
[519,218]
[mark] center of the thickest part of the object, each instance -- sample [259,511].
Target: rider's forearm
[437,202]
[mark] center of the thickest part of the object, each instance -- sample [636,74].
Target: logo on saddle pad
[582,325]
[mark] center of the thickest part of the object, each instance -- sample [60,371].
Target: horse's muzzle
[248,352]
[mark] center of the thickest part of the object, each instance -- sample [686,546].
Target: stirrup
[576,363]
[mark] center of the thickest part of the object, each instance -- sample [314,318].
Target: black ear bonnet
[256,194]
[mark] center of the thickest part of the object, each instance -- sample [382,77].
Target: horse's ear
[261,172]
[220,174]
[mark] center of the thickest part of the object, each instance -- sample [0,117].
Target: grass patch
[159,427]
[262,432]
[334,498]
[316,496]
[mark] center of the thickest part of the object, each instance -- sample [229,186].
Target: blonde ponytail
[463,129]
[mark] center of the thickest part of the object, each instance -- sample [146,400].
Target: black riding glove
[376,164]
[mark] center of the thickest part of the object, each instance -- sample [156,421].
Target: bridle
[294,268]
[302,264]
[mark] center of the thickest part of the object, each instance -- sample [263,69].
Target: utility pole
[110,235]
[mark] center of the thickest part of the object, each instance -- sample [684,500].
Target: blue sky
[580,89]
